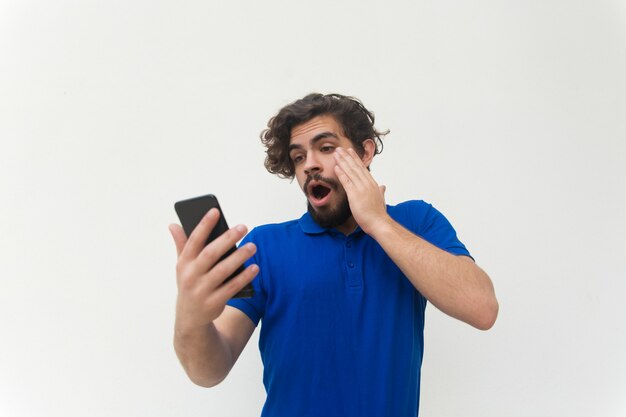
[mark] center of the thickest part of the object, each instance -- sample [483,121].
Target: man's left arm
[454,284]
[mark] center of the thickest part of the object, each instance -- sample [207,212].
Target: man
[341,291]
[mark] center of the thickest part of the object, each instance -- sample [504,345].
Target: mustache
[318,177]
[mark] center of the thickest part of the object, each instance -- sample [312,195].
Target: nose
[312,164]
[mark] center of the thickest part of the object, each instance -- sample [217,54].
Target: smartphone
[191,211]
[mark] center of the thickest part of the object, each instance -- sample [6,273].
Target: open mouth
[319,191]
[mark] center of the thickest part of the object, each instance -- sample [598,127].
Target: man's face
[311,149]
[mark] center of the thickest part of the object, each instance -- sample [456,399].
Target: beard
[329,217]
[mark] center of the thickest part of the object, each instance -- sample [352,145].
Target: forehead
[302,133]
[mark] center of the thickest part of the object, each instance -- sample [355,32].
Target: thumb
[179,237]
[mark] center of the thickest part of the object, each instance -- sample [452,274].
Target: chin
[329,216]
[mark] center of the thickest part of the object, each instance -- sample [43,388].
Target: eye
[297,158]
[327,148]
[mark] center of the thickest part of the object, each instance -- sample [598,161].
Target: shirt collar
[309,226]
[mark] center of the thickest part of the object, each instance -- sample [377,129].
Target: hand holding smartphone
[191,211]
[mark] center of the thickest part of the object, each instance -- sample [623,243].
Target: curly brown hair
[356,121]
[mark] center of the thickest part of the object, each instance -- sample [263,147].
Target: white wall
[509,116]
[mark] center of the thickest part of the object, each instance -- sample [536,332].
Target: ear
[369,150]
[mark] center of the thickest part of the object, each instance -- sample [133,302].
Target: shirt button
[348,245]
[350,264]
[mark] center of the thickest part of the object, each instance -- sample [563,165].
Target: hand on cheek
[366,197]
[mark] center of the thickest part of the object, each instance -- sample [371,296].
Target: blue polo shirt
[342,327]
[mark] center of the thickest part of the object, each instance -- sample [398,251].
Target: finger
[360,167]
[212,253]
[355,172]
[355,158]
[351,165]
[342,169]
[180,239]
[233,286]
[199,235]
[382,189]
[226,267]
[344,179]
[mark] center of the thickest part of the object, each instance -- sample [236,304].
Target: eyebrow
[315,139]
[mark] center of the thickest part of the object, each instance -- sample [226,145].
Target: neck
[348,226]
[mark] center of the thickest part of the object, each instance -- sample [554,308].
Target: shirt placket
[352,263]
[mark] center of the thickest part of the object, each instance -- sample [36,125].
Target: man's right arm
[208,353]
[208,335]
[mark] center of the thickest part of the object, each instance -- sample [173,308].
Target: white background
[509,116]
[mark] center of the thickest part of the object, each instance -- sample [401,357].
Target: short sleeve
[437,230]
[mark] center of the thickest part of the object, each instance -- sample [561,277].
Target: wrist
[187,329]
[383,225]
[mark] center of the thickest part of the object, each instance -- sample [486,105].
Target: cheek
[329,164]
[301,178]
